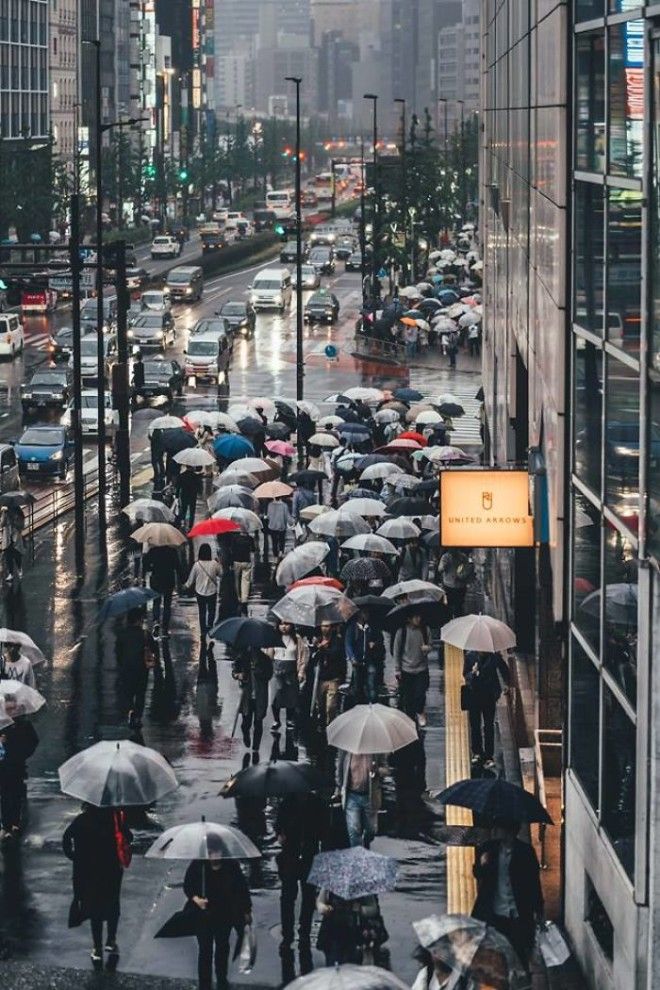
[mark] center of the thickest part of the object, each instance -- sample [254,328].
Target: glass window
[618,795]
[622,435]
[585,708]
[590,108]
[653,511]
[588,399]
[626,105]
[587,10]
[653,531]
[586,569]
[624,269]
[589,257]
[620,613]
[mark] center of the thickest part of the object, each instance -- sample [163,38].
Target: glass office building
[24,69]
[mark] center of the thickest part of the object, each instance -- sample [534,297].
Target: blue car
[44,451]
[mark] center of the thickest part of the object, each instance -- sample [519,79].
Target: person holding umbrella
[456,572]
[358,779]
[328,659]
[188,490]
[482,673]
[135,654]
[158,457]
[301,826]
[17,667]
[365,648]
[164,565]
[289,664]
[204,577]
[98,842]
[411,651]
[278,520]
[18,741]
[253,670]
[414,561]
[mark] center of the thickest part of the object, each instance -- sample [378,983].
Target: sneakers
[276,726]
[489,764]
[476,760]
[96,957]
[112,948]
[421,720]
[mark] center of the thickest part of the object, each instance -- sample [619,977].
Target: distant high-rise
[63,65]
[24,76]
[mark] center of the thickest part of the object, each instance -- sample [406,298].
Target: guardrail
[374,349]
[57,501]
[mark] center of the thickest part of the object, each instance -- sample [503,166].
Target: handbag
[552,944]
[466,697]
[122,845]
[76,913]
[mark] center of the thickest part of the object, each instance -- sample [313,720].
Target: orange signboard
[485,509]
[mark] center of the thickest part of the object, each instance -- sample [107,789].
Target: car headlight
[188,291]
[57,456]
[27,394]
[130,334]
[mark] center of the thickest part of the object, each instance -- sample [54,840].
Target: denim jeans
[360,819]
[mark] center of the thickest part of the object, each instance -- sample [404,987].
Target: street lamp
[443,99]
[461,103]
[300,372]
[404,164]
[376,211]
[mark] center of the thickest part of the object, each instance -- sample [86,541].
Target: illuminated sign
[635,43]
[485,509]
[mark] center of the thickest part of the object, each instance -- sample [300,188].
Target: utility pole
[333,201]
[462,163]
[376,212]
[300,367]
[363,221]
[120,383]
[76,422]
[404,165]
[100,336]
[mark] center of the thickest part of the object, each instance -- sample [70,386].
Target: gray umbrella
[233,496]
[351,873]
[372,729]
[117,775]
[300,561]
[148,510]
[348,977]
[202,840]
[310,606]
[341,523]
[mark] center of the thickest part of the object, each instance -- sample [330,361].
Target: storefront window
[620,613]
[590,101]
[585,708]
[618,811]
[588,399]
[622,441]
[589,257]
[586,570]
[626,106]
[624,269]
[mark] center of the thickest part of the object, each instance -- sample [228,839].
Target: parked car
[165,246]
[89,415]
[153,329]
[323,259]
[47,389]
[12,340]
[60,344]
[311,279]
[322,307]
[354,262]
[44,451]
[163,378]
[239,316]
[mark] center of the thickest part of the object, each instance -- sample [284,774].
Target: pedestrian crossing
[464,387]
[37,341]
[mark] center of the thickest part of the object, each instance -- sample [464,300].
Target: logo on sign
[487,500]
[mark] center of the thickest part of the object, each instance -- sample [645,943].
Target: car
[220,216]
[244,229]
[181,232]
[163,378]
[309,198]
[323,235]
[49,388]
[89,314]
[264,219]
[60,344]
[311,279]
[12,340]
[165,246]
[207,358]
[271,289]
[44,451]
[323,260]
[289,251]
[322,307]
[239,316]
[155,328]
[344,246]
[157,299]
[89,367]
[354,262]
[208,325]
[135,277]
[185,283]
[89,415]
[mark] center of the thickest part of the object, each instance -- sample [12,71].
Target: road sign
[64,283]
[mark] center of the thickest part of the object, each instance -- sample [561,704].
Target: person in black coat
[91,842]
[220,891]
[17,744]
[253,669]
[482,673]
[188,490]
[165,567]
[509,894]
[134,651]
[301,827]
[158,458]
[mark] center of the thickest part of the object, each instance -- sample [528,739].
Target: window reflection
[585,708]
[590,108]
[626,84]
[587,10]
[624,269]
[622,441]
[618,811]
[589,257]
[620,614]
[586,569]
[653,531]
[588,370]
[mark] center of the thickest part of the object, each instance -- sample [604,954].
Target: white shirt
[20,671]
[204,574]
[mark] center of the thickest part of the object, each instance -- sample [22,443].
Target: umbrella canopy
[326,440]
[410,507]
[409,292]
[310,408]
[280,448]
[620,603]
[175,440]
[328,422]
[214,527]
[348,462]
[263,405]
[341,523]
[248,521]
[27,700]
[432,612]
[243,634]
[380,471]
[348,977]
[273,489]
[312,511]
[165,423]
[368,507]
[370,543]
[233,496]
[478,632]
[278,431]
[428,417]
[371,729]
[28,646]
[351,873]
[318,579]
[398,529]
[236,475]
[210,417]
[366,569]
[232,446]
[300,561]
[376,607]
[156,534]
[202,840]
[495,799]
[310,606]
[451,409]
[474,950]
[357,432]
[399,446]
[148,510]
[194,457]
[307,478]
[446,455]
[125,601]
[368,395]
[117,775]
[363,492]
[414,590]
[277,779]
[250,426]
[12,499]
[403,482]
[408,395]
[413,435]
[384,416]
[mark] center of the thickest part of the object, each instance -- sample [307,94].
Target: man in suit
[509,895]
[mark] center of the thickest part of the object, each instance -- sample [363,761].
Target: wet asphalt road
[79,683]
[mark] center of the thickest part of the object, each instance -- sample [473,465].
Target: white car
[12,341]
[156,299]
[90,415]
[165,246]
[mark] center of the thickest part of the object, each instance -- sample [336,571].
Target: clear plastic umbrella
[300,561]
[368,507]
[326,440]
[212,418]
[202,840]
[266,406]
[236,475]
[311,605]
[348,977]
[370,543]
[194,457]
[148,510]
[371,729]
[248,521]
[340,523]
[478,632]
[414,589]
[377,472]
[26,643]
[165,423]
[158,535]
[119,774]
[473,949]
[19,698]
[233,496]
[368,395]
[310,408]
[312,511]
[398,529]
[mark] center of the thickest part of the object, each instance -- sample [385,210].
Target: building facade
[62,71]
[24,57]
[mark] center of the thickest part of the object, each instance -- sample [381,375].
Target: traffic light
[279,230]
[183,174]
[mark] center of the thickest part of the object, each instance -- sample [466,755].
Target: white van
[271,289]
[12,341]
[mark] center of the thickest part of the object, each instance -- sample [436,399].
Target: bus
[281,202]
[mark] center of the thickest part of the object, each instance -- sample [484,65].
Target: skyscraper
[24,71]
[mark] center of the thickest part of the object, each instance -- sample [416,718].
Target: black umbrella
[277,779]
[426,486]
[496,799]
[370,459]
[278,431]
[178,439]
[375,606]
[353,430]
[358,493]
[410,507]
[450,409]
[480,394]
[407,394]
[251,427]
[348,415]
[366,569]
[433,613]
[308,478]
[11,499]
[243,633]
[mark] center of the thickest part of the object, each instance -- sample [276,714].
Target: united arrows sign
[485,508]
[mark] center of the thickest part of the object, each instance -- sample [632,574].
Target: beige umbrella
[478,632]
[312,511]
[326,440]
[194,457]
[158,535]
[273,489]
[371,729]
[257,466]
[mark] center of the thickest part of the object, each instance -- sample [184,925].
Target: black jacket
[525,881]
[484,682]
[302,823]
[21,740]
[90,842]
[225,889]
[189,486]
[331,659]
[165,566]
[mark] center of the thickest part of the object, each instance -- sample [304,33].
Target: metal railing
[57,501]
[375,349]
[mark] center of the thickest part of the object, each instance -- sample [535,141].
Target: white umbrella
[148,510]
[370,543]
[387,416]
[340,523]
[404,482]
[312,511]
[445,454]
[202,840]
[457,310]
[194,457]
[326,440]
[348,977]
[156,534]
[311,605]
[209,417]
[300,561]
[256,466]
[368,507]
[423,325]
[367,395]
[478,632]
[248,521]
[233,497]
[26,643]
[165,423]
[328,422]
[242,411]
[376,472]
[310,408]
[26,699]
[398,529]
[348,461]
[428,417]
[371,729]
[469,320]
[114,774]
[414,590]
[266,406]
[5,719]
[409,292]
[236,476]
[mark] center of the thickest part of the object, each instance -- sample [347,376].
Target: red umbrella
[214,527]
[413,435]
[320,579]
